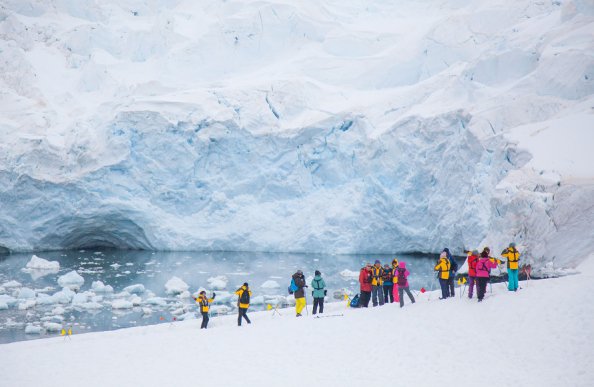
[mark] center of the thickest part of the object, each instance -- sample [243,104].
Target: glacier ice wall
[330,126]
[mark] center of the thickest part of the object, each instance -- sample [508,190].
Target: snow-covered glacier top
[330,126]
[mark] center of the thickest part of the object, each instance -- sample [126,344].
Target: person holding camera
[204,303]
[319,292]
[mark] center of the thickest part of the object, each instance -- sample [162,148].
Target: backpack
[453,265]
[245,297]
[387,275]
[293,287]
[355,302]
[472,263]
[401,276]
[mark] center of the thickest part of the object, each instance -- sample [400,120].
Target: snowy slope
[540,336]
[341,126]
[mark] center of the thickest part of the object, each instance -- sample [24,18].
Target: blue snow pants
[512,276]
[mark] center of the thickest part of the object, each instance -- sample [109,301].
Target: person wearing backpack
[395,280]
[243,302]
[204,304]
[483,271]
[443,271]
[365,285]
[473,258]
[453,270]
[513,258]
[388,284]
[377,282]
[402,275]
[299,281]
[319,292]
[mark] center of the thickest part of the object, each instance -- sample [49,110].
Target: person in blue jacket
[319,292]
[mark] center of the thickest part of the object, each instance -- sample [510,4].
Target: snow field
[537,336]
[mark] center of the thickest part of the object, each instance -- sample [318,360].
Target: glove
[214,294]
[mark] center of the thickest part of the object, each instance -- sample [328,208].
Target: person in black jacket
[299,280]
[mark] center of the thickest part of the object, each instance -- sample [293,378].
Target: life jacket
[443,267]
[387,277]
[513,257]
[401,276]
[472,261]
[376,275]
[204,304]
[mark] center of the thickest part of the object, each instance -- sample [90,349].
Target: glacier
[333,126]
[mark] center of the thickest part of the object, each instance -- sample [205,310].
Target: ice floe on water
[72,280]
[31,329]
[218,282]
[349,273]
[42,264]
[270,284]
[175,286]
[121,304]
[100,287]
[135,289]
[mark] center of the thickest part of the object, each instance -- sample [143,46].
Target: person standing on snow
[243,302]
[443,270]
[377,294]
[395,280]
[513,258]
[204,303]
[299,280]
[388,284]
[402,275]
[365,285]
[319,292]
[473,258]
[453,270]
[483,271]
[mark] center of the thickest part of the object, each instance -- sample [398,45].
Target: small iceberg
[38,263]
[71,280]
[218,282]
[270,284]
[175,286]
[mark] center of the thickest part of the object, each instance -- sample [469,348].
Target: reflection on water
[120,269]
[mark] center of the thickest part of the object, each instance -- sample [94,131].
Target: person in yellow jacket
[243,302]
[513,258]
[204,304]
[377,283]
[443,273]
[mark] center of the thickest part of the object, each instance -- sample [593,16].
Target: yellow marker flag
[459,281]
[63,332]
[463,280]
[268,307]
[69,331]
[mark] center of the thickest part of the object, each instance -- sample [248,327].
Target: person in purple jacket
[402,275]
[483,271]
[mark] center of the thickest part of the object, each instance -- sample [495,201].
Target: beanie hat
[299,271]
[245,284]
[484,254]
[475,252]
[512,244]
[317,272]
[377,261]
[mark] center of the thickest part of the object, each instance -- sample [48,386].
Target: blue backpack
[293,287]
[355,302]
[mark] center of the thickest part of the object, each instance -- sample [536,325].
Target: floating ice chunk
[8,300]
[224,297]
[58,310]
[187,316]
[270,284]
[56,318]
[11,284]
[3,305]
[64,296]
[116,266]
[175,286]
[52,326]
[33,330]
[25,293]
[135,289]
[184,295]
[81,298]
[220,309]
[349,273]
[218,282]
[121,304]
[27,304]
[136,300]
[158,301]
[44,299]
[91,305]
[100,287]
[146,311]
[72,280]
[42,264]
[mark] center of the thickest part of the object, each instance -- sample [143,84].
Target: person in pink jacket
[483,271]
[402,275]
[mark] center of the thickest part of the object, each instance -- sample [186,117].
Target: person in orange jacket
[204,303]
[243,302]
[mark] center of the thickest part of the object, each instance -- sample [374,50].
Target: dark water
[153,269]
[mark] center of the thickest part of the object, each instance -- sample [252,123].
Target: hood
[402,265]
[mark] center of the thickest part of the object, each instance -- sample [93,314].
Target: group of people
[388,283]
[385,284]
[479,270]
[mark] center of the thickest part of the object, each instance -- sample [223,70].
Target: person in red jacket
[365,283]
[473,258]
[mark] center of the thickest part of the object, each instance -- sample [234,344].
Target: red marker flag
[423,290]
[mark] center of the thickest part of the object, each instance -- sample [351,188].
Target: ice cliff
[332,126]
